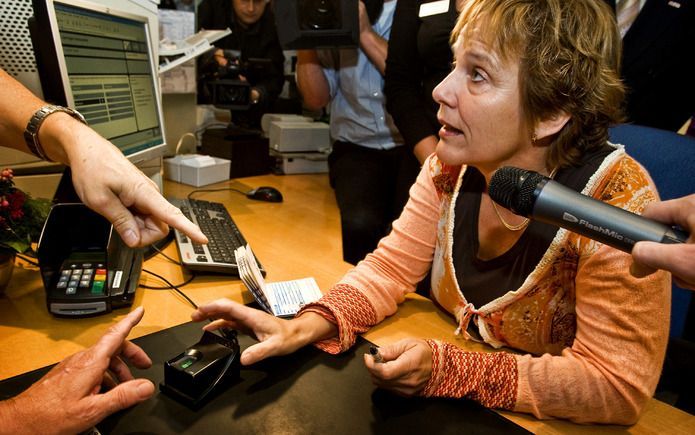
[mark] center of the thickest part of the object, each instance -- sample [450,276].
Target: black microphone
[535,196]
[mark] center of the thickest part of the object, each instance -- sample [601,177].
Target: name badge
[433,8]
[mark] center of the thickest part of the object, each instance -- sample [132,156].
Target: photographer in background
[254,36]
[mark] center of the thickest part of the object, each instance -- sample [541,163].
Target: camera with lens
[314,24]
[221,85]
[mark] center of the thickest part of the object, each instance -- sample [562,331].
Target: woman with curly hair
[535,86]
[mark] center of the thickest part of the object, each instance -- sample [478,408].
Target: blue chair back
[670,159]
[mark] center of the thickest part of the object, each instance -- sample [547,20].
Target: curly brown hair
[569,53]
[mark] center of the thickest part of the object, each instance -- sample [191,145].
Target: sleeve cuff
[347,308]
[488,378]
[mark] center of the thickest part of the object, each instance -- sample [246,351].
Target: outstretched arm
[103,178]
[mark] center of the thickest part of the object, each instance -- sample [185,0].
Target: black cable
[160,252]
[168,287]
[156,247]
[191,193]
[171,286]
[28,259]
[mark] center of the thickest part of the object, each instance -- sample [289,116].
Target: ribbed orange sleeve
[348,309]
[488,378]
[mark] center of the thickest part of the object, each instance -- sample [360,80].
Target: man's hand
[406,368]
[676,258]
[113,187]
[68,398]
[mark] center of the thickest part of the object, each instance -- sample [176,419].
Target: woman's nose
[442,93]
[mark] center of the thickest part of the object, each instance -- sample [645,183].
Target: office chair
[670,159]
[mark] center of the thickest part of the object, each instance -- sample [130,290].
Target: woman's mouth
[447,131]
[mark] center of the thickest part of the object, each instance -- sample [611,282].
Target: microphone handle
[559,205]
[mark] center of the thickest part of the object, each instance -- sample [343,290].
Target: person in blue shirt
[370,169]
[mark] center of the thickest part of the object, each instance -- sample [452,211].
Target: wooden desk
[297,238]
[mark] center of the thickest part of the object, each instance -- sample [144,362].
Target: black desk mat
[308,392]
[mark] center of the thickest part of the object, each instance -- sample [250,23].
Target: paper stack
[281,299]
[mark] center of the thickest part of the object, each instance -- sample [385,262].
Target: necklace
[525,222]
[518,227]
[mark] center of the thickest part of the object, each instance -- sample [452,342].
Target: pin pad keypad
[83,277]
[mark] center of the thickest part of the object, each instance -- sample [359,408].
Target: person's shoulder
[267,21]
[625,183]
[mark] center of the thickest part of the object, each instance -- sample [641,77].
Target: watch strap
[31,133]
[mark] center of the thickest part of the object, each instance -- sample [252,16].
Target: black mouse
[265,193]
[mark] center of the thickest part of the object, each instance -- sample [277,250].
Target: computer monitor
[99,61]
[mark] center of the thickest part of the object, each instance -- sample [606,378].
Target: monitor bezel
[47,7]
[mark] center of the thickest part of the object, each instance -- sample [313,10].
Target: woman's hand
[406,368]
[276,336]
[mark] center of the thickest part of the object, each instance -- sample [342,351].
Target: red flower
[16,214]
[16,200]
[21,216]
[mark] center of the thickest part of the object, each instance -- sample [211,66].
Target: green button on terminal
[97,287]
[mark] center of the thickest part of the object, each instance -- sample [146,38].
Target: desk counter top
[297,238]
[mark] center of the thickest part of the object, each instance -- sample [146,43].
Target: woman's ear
[551,126]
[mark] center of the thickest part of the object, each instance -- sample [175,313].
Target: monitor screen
[103,61]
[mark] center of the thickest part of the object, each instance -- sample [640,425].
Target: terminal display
[105,63]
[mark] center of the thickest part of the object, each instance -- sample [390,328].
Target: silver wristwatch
[31,133]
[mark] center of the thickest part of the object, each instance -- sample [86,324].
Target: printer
[299,144]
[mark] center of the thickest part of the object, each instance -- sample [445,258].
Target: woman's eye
[476,76]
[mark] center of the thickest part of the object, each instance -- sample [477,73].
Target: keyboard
[222,233]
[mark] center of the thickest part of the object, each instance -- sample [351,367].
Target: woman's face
[480,110]
[248,11]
